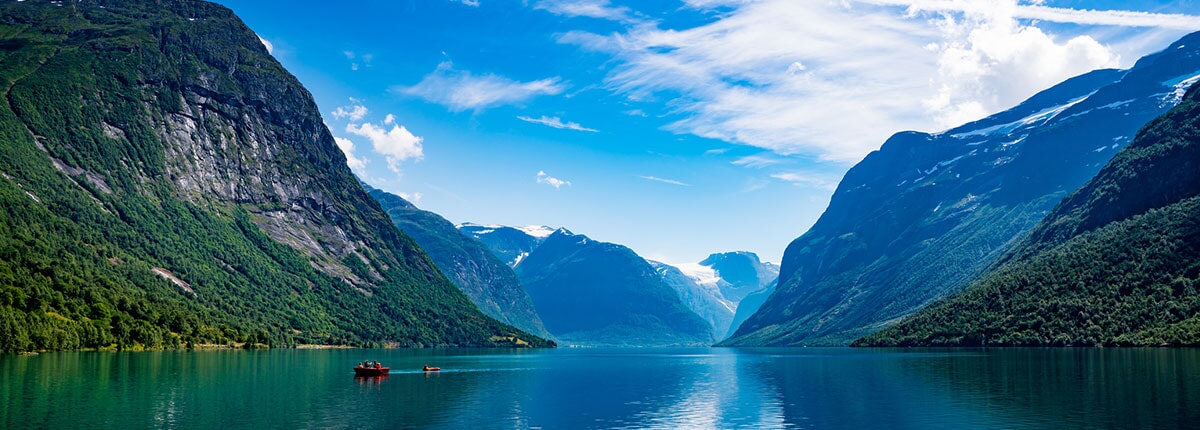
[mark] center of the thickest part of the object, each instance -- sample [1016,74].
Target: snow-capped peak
[538,231]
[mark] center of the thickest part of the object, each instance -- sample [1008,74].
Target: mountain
[487,281]
[594,293]
[701,294]
[165,182]
[741,273]
[749,305]
[1115,263]
[715,287]
[511,244]
[927,213]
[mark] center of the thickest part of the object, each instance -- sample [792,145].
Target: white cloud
[397,144]
[586,8]
[472,3]
[356,59]
[986,56]
[413,198]
[556,122]
[807,180]
[266,43]
[1040,12]
[665,181]
[757,161]
[347,147]
[832,80]
[543,178]
[355,112]
[460,90]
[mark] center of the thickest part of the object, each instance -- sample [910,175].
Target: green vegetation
[491,284]
[91,203]
[1116,263]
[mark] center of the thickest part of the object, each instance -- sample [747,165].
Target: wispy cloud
[665,181]
[472,3]
[414,198]
[757,161]
[601,9]
[803,179]
[543,178]
[784,75]
[1118,18]
[461,90]
[556,122]
[356,59]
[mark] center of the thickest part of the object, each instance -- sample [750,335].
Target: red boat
[431,369]
[371,370]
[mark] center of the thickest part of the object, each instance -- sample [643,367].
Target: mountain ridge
[490,283]
[926,213]
[193,195]
[1116,263]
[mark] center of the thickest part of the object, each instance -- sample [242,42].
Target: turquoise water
[606,388]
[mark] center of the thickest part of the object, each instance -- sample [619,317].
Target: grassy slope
[77,244]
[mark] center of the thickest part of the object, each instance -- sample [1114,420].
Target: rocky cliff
[169,183]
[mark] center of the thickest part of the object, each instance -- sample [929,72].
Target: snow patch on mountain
[538,231]
[1179,86]
[1037,118]
[702,274]
[517,261]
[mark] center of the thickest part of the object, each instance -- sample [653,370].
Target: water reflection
[370,380]
[607,388]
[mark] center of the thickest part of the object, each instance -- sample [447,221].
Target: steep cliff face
[491,284]
[927,213]
[175,184]
[1117,262]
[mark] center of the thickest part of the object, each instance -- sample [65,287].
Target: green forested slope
[1116,263]
[491,284]
[144,140]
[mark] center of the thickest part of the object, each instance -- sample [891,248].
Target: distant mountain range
[165,182]
[597,293]
[927,213]
[1115,263]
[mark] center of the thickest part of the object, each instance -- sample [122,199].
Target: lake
[820,388]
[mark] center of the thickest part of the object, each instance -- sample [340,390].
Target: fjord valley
[599,214]
[167,183]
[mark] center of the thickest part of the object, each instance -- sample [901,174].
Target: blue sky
[677,127]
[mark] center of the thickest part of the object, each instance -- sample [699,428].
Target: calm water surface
[606,388]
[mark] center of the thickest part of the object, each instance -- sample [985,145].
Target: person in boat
[378,365]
